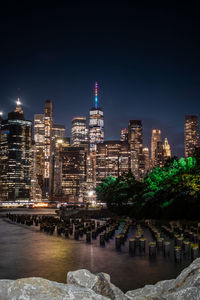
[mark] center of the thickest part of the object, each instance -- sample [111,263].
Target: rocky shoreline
[83,285]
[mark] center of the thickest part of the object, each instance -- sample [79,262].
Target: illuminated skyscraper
[96,124]
[91,173]
[146,159]
[166,150]
[135,137]
[79,131]
[112,158]
[72,173]
[39,147]
[155,138]
[191,134]
[39,129]
[58,131]
[36,188]
[159,155]
[59,144]
[48,124]
[124,135]
[45,133]
[15,156]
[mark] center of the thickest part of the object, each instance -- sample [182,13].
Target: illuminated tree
[169,192]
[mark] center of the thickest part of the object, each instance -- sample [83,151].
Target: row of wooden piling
[185,240]
[70,227]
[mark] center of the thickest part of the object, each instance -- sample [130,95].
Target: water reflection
[25,252]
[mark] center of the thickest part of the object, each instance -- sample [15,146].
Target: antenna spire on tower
[96,95]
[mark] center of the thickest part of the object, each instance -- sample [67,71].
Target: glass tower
[96,124]
[135,137]
[155,140]
[15,156]
[79,131]
[191,134]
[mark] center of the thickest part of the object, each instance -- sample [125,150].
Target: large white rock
[4,284]
[83,285]
[185,287]
[149,290]
[191,293]
[42,289]
[189,277]
[99,283]
[82,278]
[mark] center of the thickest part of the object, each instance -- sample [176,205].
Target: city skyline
[99,149]
[144,57]
[146,140]
[60,169]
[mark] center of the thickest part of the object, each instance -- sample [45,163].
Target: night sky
[145,57]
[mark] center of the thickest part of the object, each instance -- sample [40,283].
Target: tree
[169,192]
[167,189]
[119,193]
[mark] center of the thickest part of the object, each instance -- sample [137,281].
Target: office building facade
[166,150]
[15,156]
[155,141]
[135,138]
[79,131]
[96,124]
[58,131]
[111,158]
[191,132]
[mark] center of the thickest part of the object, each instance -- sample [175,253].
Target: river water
[27,252]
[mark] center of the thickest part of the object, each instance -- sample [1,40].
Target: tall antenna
[96,95]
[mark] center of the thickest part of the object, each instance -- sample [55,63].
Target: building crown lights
[18,102]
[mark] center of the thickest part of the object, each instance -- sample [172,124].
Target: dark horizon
[144,57]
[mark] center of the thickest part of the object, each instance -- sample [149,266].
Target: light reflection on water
[27,252]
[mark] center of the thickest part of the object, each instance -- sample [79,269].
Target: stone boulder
[4,284]
[184,294]
[99,283]
[83,285]
[42,289]
[185,287]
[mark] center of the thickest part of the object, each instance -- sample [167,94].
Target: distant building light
[18,102]
[60,141]
[90,193]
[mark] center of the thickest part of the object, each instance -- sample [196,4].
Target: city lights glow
[40,204]
[90,193]
[60,141]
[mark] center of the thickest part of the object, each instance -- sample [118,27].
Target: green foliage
[106,189]
[169,192]
[173,188]
[119,192]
